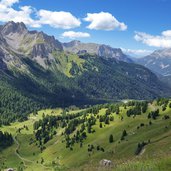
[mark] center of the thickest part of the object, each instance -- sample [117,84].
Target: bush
[140,146]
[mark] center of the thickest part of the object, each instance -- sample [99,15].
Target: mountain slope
[120,80]
[35,66]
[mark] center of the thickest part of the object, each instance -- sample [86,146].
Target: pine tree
[107,120]
[111,138]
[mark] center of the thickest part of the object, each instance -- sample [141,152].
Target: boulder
[106,163]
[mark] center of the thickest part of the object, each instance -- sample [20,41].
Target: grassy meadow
[156,155]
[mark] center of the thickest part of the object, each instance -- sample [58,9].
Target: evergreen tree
[124,133]
[107,120]
[111,139]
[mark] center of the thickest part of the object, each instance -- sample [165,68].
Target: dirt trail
[17,153]
[142,151]
[24,159]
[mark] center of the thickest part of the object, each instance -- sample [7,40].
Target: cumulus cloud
[21,15]
[8,3]
[104,21]
[64,20]
[166,33]
[137,52]
[73,35]
[161,41]
[60,19]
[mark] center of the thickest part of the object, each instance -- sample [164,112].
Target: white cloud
[60,19]
[161,41]
[8,3]
[73,35]
[104,21]
[166,33]
[22,15]
[64,20]
[137,52]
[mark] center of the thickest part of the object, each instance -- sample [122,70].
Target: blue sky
[137,26]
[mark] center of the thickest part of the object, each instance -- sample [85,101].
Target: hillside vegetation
[134,135]
[83,80]
[37,72]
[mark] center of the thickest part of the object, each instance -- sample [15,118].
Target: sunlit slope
[154,131]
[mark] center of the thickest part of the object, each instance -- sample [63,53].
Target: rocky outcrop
[50,41]
[103,51]
[116,53]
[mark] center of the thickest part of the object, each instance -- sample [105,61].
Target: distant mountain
[36,72]
[159,62]
[103,51]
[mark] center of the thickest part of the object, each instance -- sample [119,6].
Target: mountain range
[38,71]
[103,51]
[159,61]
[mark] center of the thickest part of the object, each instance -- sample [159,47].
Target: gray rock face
[1,39]
[103,51]
[22,40]
[159,62]
[16,39]
[108,52]
[71,44]
[12,27]
[162,53]
[50,41]
[3,52]
[39,50]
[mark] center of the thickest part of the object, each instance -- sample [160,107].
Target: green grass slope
[155,155]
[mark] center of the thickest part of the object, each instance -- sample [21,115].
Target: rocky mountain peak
[72,43]
[23,41]
[54,43]
[159,61]
[12,27]
[162,53]
[109,52]
[16,38]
